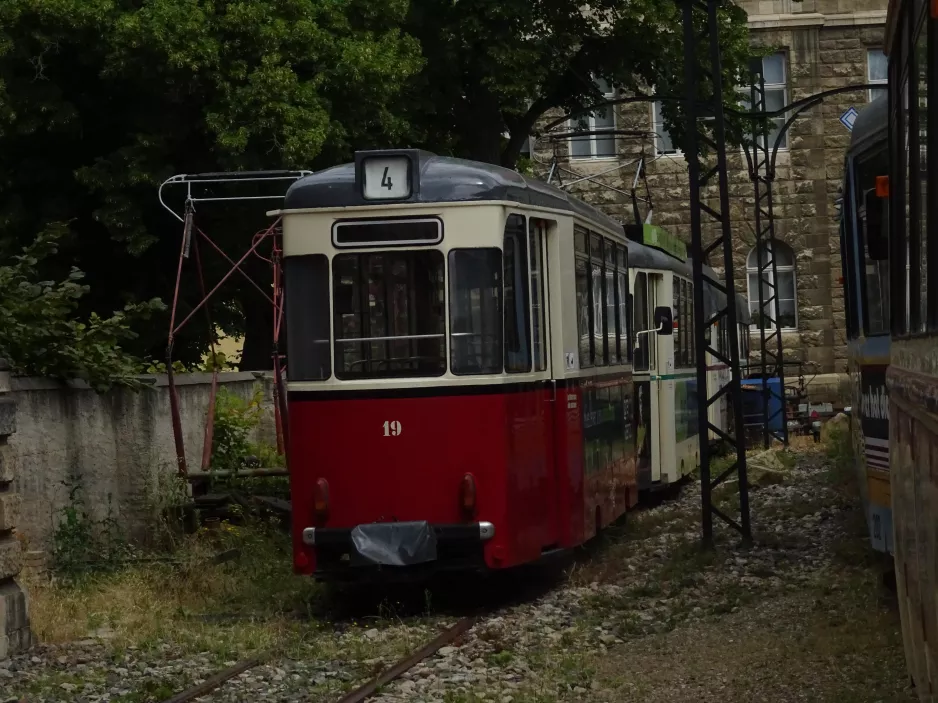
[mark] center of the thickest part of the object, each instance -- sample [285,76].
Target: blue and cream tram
[865,261]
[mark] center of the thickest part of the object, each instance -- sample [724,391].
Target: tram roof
[645,257]
[443,179]
[872,120]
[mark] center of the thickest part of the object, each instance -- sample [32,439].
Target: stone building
[816,45]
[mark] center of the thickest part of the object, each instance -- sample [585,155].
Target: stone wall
[15,635]
[115,446]
[825,42]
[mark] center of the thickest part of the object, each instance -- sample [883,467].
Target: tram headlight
[321,500]
[467,495]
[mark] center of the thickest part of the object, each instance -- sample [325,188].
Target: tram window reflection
[517,305]
[475,311]
[600,357]
[873,220]
[640,318]
[584,310]
[678,315]
[622,299]
[307,288]
[537,235]
[393,326]
[609,295]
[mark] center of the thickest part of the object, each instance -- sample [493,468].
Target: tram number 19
[392,428]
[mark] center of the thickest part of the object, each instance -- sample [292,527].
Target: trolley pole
[762,175]
[697,44]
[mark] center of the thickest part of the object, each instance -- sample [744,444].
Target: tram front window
[388,310]
[307,290]
[475,311]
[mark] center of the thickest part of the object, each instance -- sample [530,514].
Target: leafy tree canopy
[100,100]
[40,334]
[496,68]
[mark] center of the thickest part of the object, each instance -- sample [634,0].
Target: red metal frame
[189,243]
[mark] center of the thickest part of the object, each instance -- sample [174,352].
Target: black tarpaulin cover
[395,543]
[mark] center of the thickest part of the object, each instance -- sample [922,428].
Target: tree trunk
[512,151]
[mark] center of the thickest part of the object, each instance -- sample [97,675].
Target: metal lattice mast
[762,174]
[703,45]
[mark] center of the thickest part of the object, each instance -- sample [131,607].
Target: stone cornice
[816,19]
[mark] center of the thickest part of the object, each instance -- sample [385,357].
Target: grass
[250,606]
[231,609]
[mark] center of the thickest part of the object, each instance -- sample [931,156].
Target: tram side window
[599,318]
[537,230]
[307,309]
[688,336]
[612,320]
[517,306]
[691,340]
[848,263]
[622,300]
[475,314]
[873,219]
[584,311]
[640,320]
[685,326]
[680,353]
[919,258]
[676,304]
[388,310]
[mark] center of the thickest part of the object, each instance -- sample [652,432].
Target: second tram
[865,261]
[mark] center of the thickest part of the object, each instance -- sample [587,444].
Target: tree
[495,68]
[40,334]
[100,100]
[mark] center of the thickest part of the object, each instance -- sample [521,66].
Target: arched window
[786,296]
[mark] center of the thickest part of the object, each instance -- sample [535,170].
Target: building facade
[813,46]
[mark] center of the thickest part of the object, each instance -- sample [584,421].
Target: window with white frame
[781,285]
[591,145]
[776,96]
[877,71]
[663,142]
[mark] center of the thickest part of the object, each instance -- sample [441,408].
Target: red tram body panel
[524,448]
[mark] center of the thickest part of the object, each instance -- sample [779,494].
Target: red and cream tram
[459,378]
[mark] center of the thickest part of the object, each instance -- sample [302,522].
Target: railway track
[359,694]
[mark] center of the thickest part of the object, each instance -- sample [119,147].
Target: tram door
[538,233]
[645,363]
[657,357]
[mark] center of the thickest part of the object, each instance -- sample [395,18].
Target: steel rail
[444,638]
[213,682]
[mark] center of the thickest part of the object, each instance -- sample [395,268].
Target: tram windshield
[389,314]
[475,311]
